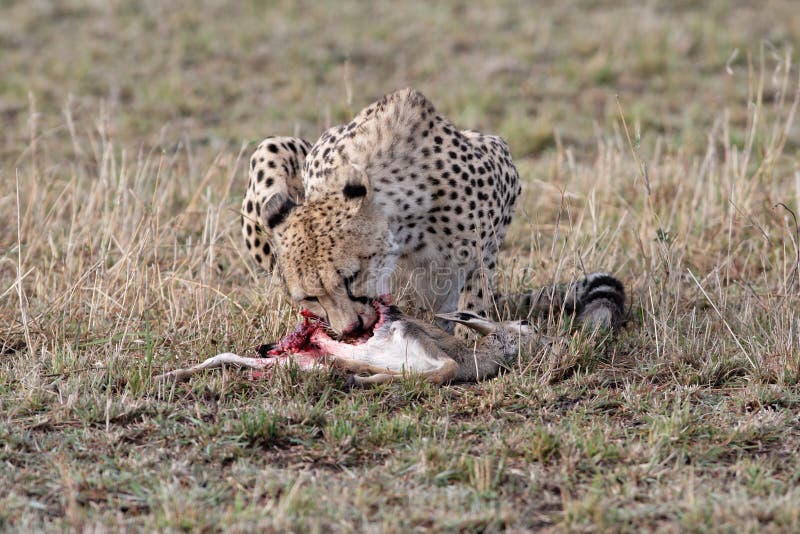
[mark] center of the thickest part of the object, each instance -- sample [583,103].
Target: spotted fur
[274,175]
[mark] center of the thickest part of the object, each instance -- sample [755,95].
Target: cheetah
[397,201]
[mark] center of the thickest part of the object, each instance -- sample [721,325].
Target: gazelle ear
[482,325]
[358,188]
[522,327]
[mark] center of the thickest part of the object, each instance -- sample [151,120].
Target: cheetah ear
[275,210]
[358,187]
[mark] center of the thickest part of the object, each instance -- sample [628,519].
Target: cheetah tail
[596,301]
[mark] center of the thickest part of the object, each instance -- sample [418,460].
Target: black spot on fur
[354,191]
[393,313]
[279,216]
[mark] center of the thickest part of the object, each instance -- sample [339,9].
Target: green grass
[124,131]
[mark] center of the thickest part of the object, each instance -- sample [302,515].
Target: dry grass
[123,136]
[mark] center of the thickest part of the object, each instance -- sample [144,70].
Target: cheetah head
[335,253]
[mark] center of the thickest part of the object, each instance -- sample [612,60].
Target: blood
[299,342]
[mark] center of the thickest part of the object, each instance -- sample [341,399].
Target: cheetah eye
[311,299]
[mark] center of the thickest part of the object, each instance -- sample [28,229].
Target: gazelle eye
[311,299]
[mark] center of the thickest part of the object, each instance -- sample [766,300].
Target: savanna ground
[125,128]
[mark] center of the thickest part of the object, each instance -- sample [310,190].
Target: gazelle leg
[436,377]
[380,378]
[355,366]
[380,374]
[220,360]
